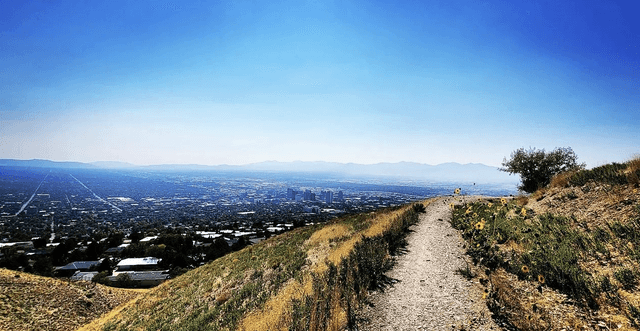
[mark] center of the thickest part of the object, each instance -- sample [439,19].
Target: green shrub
[634,315]
[552,248]
[102,278]
[608,174]
[627,277]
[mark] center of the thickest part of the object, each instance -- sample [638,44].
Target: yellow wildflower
[541,279]
[456,191]
[525,269]
[523,212]
[503,201]
[484,295]
[490,204]
[451,205]
[475,214]
[468,211]
[479,226]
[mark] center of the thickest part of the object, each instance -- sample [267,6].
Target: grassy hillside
[566,257]
[307,279]
[29,302]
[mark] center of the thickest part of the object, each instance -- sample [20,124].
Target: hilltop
[29,302]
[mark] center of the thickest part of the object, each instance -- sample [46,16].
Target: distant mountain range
[445,172]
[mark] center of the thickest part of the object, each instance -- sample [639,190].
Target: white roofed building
[137,264]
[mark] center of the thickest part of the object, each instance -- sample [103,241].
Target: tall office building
[329,197]
[291,194]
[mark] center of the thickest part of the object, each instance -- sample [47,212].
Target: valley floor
[427,292]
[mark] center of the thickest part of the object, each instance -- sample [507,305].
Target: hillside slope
[566,257]
[311,278]
[29,302]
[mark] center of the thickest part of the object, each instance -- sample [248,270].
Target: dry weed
[633,169]
[327,234]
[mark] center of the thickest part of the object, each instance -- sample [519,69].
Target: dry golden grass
[528,309]
[522,200]
[328,233]
[561,179]
[30,302]
[276,314]
[261,287]
[594,211]
[343,250]
[633,166]
[98,323]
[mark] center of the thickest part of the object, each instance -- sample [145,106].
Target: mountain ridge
[450,171]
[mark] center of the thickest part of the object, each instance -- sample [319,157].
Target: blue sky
[152,82]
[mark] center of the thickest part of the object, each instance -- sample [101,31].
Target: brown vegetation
[567,257]
[311,278]
[29,302]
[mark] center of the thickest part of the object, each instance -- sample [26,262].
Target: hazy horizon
[243,164]
[361,82]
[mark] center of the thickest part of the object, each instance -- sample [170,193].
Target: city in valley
[141,227]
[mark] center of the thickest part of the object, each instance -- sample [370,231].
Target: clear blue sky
[237,82]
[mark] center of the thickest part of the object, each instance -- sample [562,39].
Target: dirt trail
[429,294]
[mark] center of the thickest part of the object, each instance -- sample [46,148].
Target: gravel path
[428,294]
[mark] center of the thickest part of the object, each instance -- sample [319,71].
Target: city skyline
[347,82]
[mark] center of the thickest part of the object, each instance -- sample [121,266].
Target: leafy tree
[135,236]
[240,244]
[115,239]
[537,167]
[14,260]
[43,267]
[101,278]
[93,251]
[105,265]
[124,280]
[39,243]
[217,249]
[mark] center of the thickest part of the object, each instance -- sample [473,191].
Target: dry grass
[29,302]
[286,282]
[276,314]
[99,323]
[328,234]
[344,249]
[583,240]
[383,223]
[633,169]
[328,246]
[522,199]
[526,308]
[561,179]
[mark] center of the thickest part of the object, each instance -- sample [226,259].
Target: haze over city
[345,81]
